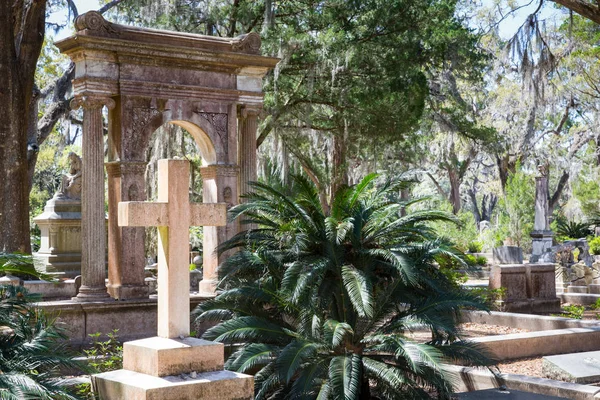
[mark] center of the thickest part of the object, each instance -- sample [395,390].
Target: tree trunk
[454,190]
[339,172]
[21,37]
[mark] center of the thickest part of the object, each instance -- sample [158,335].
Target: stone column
[126,261]
[93,225]
[247,147]
[541,234]
[219,185]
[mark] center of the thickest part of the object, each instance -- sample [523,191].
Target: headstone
[60,226]
[173,366]
[541,235]
[507,255]
[577,367]
[504,394]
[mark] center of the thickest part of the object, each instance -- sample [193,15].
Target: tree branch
[562,183]
[583,8]
[110,5]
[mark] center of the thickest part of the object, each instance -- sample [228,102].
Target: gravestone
[580,368]
[507,255]
[541,234]
[173,366]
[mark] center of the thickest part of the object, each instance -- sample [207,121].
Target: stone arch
[210,86]
[205,144]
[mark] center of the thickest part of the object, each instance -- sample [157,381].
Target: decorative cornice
[94,21]
[247,43]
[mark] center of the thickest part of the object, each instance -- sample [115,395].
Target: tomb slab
[576,367]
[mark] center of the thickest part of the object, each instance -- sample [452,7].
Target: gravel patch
[470,330]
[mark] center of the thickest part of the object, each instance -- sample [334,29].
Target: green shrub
[103,355]
[475,247]
[572,229]
[596,305]
[573,311]
[310,301]
[481,260]
[595,245]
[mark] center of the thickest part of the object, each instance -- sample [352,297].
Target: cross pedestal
[158,367]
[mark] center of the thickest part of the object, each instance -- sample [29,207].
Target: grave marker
[173,215]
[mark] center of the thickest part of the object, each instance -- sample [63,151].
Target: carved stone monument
[60,226]
[173,366]
[541,234]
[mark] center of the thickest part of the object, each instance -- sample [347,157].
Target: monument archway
[210,86]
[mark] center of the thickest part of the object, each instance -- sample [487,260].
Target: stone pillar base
[128,292]
[207,286]
[87,294]
[540,244]
[173,369]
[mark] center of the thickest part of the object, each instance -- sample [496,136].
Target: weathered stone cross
[173,214]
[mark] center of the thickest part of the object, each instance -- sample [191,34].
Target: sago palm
[32,347]
[318,306]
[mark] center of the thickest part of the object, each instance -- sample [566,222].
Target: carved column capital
[92,101]
[249,111]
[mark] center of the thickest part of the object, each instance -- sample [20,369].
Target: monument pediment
[145,46]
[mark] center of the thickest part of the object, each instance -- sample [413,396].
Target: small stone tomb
[576,367]
[530,288]
[507,255]
[509,394]
[173,366]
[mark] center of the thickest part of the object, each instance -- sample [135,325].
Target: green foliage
[475,246]
[595,305]
[595,245]
[573,311]
[462,234]
[481,260]
[492,298]
[105,355]
[572,229]
[310,304]
[32,350]
[517,208]
[587,191]
[102,356]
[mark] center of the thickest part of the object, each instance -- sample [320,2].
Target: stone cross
[173,214]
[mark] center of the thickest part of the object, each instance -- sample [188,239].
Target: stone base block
[129,385]
[128,292]
[594,288]
[535,306]
[158,356]
[577,289]
[207,286]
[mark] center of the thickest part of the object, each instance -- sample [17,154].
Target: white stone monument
[60,226]
[173,366]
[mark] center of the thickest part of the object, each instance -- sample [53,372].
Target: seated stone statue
[70,187]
